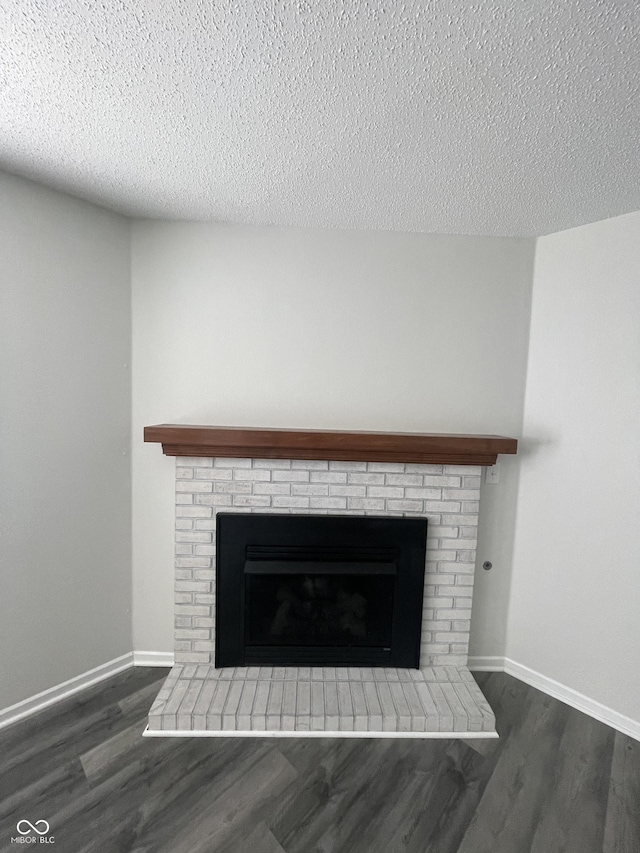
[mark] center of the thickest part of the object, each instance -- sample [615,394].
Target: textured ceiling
[453,116]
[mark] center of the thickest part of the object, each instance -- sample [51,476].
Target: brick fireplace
[438,698]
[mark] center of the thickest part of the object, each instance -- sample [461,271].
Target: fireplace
[254,662]
[319,590]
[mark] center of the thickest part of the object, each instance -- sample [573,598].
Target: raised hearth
[321,702]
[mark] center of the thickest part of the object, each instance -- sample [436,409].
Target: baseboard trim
[153,659]
[62,691]
[560,691]
[486,664]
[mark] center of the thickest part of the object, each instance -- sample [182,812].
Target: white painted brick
[367,479]
[205,524]
[442,602]
[423,494]
[457,519]
[272,489]
[215,500]
[192,563]
[335,477]
[184,499]
[309,489]
[466,557]
[193,657]
[228,462]
[422,468]
[252,474]
[385,492]
[471,482]
[443,482]
[204,646]
[365,503]
[183,548]
[214,474]
[328,503]
[184,524]
[462,625]
[232,488]
[311,464]
[292,476]
[204,622]
[456,613]
[458,568]
[183,574]
[436,625]
[204,550]
[193,536]
[337,465]
[442,506]
[291,502]
[438,531]
[461,470]
[193,512]
[184,473]
[464,580]
[205,598]
[194,461]
[182,597]
[460,592]
[251,500]
[348,491]
[190,610]
[468,533]
[272,463]
[405,506]
[193,486]
[439,579]
[460,495]
[384,467]
[458,544]
[192,586]
[404,480]
[182,622]
[192,634]
[469,506]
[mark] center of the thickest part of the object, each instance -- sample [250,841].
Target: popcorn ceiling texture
[453,117]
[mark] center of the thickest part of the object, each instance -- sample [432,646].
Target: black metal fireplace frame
[254,543]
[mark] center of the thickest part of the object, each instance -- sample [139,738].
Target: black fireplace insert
[319,590]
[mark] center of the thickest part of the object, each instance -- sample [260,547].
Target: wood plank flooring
[556,782]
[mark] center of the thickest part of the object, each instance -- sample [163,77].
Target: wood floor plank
[511,804]
[574,812]
[555,782]
[622,824]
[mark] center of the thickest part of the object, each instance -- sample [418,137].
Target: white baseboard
[61,691]
[559,691]
[486,664]
[153,659]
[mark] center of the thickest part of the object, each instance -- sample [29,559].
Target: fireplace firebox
[319,590]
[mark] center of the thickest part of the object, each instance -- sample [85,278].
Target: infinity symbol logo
[32,828]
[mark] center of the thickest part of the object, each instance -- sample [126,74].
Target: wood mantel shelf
[257,443]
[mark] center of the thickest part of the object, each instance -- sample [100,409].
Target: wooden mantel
[253,442]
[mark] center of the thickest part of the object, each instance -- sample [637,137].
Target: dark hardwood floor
[555,781]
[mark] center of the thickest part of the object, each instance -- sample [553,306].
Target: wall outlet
[492,474]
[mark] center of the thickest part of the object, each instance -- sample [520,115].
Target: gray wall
[575,601]
[64,438]
[291,327]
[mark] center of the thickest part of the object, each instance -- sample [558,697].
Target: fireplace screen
[319,609]
[319,590]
